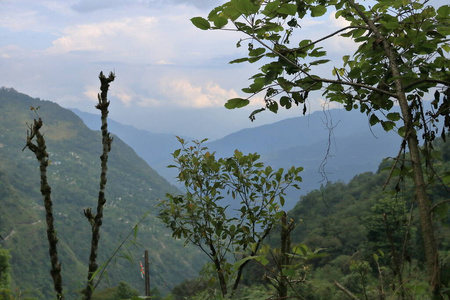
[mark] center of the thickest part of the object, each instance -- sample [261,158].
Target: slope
[352,145]
[132,190]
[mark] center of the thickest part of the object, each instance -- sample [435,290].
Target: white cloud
[183,93]
[10,51]
[127,32]
[123,95]
[91,93]
[148,102]
[18,20]
[338,22]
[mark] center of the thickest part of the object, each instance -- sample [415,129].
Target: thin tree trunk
[285,240]
[421,196]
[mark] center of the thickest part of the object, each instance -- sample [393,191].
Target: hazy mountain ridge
[354,146]
[133,189]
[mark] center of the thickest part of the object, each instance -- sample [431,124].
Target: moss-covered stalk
[97,219]
[39,149]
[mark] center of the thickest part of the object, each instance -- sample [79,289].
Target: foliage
[5,269]
[291,74]
[124,291]
[370,236]
[119,292]
[189,288]
[399,57]
[222,226]
[346,222]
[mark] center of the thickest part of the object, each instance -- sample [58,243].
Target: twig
[347,292]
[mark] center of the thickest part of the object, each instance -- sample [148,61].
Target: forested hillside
[133,189]
[365,229]
[360,235]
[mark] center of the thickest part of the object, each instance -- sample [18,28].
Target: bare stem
[39,150]
[97,219]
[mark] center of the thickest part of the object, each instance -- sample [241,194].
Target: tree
[208,216]
[400,58]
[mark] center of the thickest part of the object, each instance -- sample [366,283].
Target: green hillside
[133,189]
[366,231]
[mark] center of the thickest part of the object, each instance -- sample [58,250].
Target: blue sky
[171,76]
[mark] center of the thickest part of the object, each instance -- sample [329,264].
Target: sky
[170,76]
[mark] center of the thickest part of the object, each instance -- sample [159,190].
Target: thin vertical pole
[147,275]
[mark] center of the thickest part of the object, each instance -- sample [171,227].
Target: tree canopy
[401,58]
[229,208]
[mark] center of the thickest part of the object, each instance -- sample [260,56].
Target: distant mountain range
[331,145]
[133,189]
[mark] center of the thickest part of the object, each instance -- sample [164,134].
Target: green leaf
[236,103]
[393,116]
[290,272]
[358,32]
[319,62]
[240,262]
[271,7]
[387,125]
[389,22]
[285,101]
[239,60]
[246,7]
[257,51]
[255,112]
[317,11]
[373,120]
[288,9]
[375,257]
[317,53]
[135,231]
[255,59]
[219,22]
[272,106]
[200,23]
[443,12]
[345,58]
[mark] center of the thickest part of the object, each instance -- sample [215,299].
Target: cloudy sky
[171,76]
